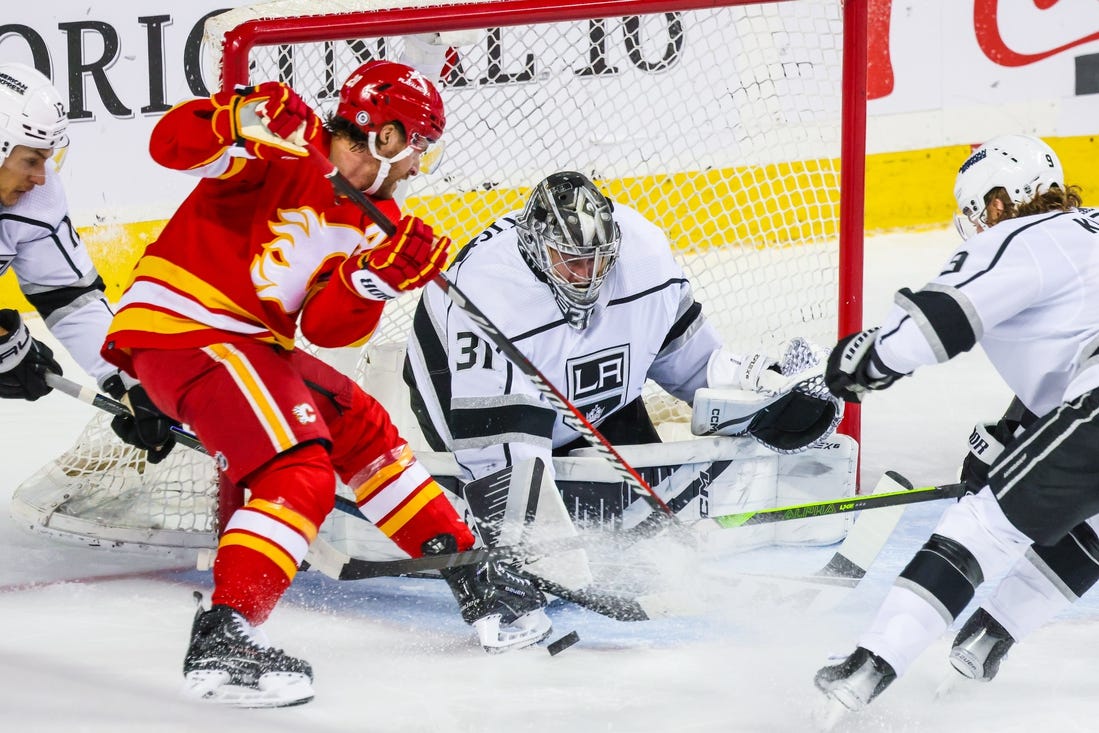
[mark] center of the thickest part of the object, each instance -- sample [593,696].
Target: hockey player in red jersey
[262,245]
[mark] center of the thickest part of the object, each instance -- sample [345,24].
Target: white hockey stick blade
[868,534]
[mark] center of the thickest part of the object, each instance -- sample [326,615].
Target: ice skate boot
[856,680]
[980,646]
[503,606]
[231,662]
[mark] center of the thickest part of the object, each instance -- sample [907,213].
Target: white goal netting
[721,124]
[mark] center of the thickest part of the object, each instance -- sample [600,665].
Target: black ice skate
[229,661]
[502,605]
[857,680]
[980,646]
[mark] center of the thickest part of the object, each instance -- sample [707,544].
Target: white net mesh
[722,125]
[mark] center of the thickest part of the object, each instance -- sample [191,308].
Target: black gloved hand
[148,428]
[847,374]
[986,444]
[24,362]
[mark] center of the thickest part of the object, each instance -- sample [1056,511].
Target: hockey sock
[266,539]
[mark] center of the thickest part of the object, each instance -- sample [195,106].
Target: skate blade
[273,690]
[525,631]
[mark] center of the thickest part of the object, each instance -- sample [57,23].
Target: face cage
[581,294]
[968,224]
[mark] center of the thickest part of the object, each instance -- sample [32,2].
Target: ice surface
[94,641]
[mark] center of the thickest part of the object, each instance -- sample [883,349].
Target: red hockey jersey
[256,246]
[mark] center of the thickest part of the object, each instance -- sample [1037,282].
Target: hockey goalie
[589,291]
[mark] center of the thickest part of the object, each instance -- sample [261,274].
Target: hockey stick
[343,567]
[837,506]
[93,398]
[569,413]
[845,568]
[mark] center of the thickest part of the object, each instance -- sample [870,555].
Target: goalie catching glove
[266,121]
[24,361]
[405,261]
[785,407]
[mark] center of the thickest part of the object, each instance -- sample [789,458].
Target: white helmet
[1023,165]
[31,111]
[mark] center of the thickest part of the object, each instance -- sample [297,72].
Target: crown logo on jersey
[594,413]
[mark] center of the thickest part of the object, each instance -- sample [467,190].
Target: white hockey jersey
[1027,290]
[646,324]
[40,244]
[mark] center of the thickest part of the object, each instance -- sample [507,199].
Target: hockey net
[721,122]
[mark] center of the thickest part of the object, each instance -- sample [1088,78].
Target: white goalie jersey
[39,243]
[646,324]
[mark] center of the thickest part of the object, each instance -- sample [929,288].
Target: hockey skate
[505,608]
[980,646]
[857,680]
[231,662]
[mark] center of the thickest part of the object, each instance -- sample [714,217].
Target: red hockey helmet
[379,92]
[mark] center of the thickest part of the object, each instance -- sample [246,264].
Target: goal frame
[240,40]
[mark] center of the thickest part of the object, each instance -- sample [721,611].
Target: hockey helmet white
[568,236]
[1022,165]
[31,110]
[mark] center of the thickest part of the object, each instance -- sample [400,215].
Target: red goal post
[261,42]
[728,123]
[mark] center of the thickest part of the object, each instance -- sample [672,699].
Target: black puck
[563,643]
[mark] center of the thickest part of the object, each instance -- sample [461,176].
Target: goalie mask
[31,111]
[380,92]
[1024,166]
[570,240]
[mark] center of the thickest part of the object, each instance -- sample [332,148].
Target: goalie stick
[569,413]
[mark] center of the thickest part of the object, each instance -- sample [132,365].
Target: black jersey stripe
[46,302]
[489,423]
[688,322]
[438,369]
[945,318]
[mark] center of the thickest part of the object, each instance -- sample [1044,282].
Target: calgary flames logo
[303,240]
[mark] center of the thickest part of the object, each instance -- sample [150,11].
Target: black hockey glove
[986,444]
[847,374]
[148,428]
[23,361]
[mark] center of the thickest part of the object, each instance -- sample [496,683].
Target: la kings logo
[597,382]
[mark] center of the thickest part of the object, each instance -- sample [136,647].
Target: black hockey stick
[569,413]
[93,398]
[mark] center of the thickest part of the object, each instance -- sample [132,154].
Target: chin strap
[384,163]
